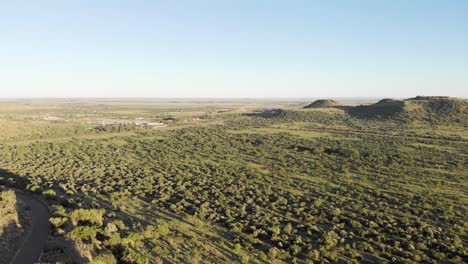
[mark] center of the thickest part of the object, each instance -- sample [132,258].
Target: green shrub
[35,188]
[58,222]
[237,248]
[162,229]
[93,216]
[84,233]
[272,253]
[49,193]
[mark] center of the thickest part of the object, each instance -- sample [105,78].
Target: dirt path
[36,239]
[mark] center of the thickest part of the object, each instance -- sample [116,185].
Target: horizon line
[216,98]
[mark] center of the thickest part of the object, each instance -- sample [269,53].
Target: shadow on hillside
[14,232]
[384,108]
[11,225]
[9,180]
[7,247]
[11,234]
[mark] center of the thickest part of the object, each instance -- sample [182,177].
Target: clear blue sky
[242,48]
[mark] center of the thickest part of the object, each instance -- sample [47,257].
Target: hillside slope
[437,109]
[386,108]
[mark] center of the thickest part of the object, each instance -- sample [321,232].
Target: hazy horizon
[241,49]
[210,98]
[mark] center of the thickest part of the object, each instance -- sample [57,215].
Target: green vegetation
[252,186]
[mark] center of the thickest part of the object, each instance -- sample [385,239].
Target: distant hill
[433,109]
[437,108]
[322,104]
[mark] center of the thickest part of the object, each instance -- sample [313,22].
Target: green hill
[322,104]
[437,109]
[432,109]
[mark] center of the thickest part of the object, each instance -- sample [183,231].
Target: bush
[84,233]
[120,224]
[272,253]
[162,229]
[49,193]
[113,240]
[93,216]
[35,188]
[237,248]
[57,222]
